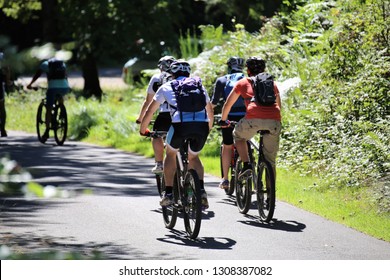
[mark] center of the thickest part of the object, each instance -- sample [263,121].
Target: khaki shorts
[247,128]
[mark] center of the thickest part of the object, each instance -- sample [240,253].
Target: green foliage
[189,45]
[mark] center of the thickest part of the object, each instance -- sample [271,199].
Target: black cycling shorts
[162,122]
[227,133]
[196,132]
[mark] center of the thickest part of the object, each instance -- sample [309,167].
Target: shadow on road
[103,171]
[291,226]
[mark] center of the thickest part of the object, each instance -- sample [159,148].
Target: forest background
[331,60]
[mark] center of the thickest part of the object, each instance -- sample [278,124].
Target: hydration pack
[239,105]
[57,69]
[263,89]
[190,96]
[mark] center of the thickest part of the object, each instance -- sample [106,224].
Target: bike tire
[170,212]
[60,127]
[159,179]
[243,189]
[232,183]
[192,213]
[41,121]
[266,192]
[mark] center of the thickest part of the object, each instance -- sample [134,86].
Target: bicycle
[186,195]
[58,123]
[262,182]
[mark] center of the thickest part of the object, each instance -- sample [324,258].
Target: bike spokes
[243,190]
[192,204]
[266,192]
[41,122]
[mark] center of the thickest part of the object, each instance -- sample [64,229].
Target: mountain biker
[57,84]
[4,80]
[257,117]
[163,120]
[222,89]
[193,126]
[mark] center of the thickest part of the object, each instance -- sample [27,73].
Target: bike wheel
[193,204]
[159,182]
[266,192]
[170,212]
[232,184]
[41,122]
[60,121]
[243,189]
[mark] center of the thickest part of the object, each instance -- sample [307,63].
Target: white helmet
[180,66]
[164,62]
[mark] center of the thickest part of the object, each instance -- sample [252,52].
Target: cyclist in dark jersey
[222,89]
[57,84]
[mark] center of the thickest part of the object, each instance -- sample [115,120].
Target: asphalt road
[113,208]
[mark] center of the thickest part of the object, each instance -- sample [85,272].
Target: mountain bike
[261,182]
[58,123]
[186,196]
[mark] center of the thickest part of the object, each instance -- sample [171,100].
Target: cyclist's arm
[232,98]
[153,107]
[36,76]
[278,100]
[210,114]
[145,104]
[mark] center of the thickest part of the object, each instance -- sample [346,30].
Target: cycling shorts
[196,132]
[53,92]
[162,122]
[227,133]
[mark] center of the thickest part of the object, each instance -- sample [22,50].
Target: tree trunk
[91,78]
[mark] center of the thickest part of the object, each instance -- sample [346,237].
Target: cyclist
[4,80]
[222,89]
[57,85]
[163,120]
[257,117]
[194,126]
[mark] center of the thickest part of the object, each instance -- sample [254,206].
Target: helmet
[164,62]
[235,63]
[255,64]
[180,66]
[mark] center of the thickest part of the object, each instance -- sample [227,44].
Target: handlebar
[155,134]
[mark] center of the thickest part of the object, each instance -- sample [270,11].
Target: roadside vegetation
[332,62]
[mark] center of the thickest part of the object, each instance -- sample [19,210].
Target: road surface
[113,208]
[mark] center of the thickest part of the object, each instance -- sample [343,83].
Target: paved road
[120,217]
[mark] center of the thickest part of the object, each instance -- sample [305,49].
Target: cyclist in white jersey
[194,126]
[163,120]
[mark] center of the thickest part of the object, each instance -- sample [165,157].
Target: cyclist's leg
[162,123]
[50,98]
[242,132]
[3,116]
[271,140]
[172,147]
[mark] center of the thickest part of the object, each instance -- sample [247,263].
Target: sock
[168,189]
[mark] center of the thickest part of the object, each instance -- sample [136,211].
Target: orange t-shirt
[254,111]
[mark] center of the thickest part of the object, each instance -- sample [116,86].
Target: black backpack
[263,89]
[57,69]
[190,96]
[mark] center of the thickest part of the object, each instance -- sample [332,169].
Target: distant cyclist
[257,117]
[194,125]
[57,81]
[4,81]
[222,88]
[163,120]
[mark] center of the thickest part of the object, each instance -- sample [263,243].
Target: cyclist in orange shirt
[257,117]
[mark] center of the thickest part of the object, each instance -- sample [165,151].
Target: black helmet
[180,66]
[164,62]
[235,63]
[255,65]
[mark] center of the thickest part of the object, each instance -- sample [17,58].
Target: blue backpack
[190,95]
[238,107]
